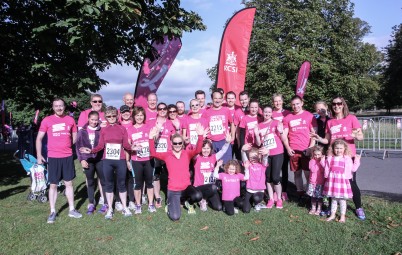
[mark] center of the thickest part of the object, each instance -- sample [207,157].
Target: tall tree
[391,92]
[286,33]
[55,48]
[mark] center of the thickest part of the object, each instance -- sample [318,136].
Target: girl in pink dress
[339,168]
[316,180]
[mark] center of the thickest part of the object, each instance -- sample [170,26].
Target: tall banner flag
[35,120]
[232,62]
[302,77]
[152,73]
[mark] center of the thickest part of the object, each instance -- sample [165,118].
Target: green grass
[272,231]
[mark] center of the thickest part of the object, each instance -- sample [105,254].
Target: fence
[381,134]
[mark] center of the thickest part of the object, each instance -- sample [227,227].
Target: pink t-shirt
[139,136]
[127,125]
[163,143]
[218,122]
[183,120]
[59,132]
[151,115]
[279,115]
[316,171]
[233,112]
[83,118]
[257,177]
[299,126]
[238,116]
[230,185]
[342,128]
[191,132]
[249,122]
[204,170]
[270,137]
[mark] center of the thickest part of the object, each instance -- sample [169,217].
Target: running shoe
[190,208]
[158,202]
[126,212]
[52,218]
[74,214]
[262,205]
[144,199]
[91,209]
[131,205]
[118,206]
[285,196]
[257,208]
[103,209]
[325,212]
[109,214]
[360,214]
[137,209]
[151,208]
[236,210]
[279,204]
[203,205]
[101,201]
[270,203]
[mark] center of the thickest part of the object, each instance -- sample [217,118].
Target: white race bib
[269,142]
[193,137]
[216,127]
[144,152]
[208,177]
[113,151]
[161,146]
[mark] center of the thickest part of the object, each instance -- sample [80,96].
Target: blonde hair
[316,148]
[234,163]
[347,152]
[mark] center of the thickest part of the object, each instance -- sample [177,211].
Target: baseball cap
[124,108]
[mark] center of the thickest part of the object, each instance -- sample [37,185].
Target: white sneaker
[236,210]
[101,201]
[131,205]
[151,208]
[137,209]
[203,205]
[109,214]
[144,199]
[126,212]
[118,206]
[262,205]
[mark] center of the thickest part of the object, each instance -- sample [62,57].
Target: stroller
[38,175]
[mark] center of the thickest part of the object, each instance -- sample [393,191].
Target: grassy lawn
[289,231]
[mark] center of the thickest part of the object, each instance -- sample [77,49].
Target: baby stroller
[38,175]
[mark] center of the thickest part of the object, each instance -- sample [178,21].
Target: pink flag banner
[35,120]
[232,62]
[302,79]
[152,73]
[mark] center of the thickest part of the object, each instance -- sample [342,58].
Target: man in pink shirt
[96,105]
[296,139]
[150,109]
[235,111]
[200,96]
[61,133]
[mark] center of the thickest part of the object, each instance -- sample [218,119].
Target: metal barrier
[381,134]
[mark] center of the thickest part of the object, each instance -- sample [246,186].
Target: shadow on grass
[392,197]
[11,170]
[80,196]
[12,191]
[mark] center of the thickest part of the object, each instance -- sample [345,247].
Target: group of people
[219,156]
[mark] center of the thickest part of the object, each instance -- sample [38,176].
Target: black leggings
[230,205]
[210,193]
[285,169]
[273,173]
[175,198]
[94,167]
[253,198]
[143,171]
[356,192]
[110,167]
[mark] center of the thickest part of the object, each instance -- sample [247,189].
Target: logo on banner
[231,63]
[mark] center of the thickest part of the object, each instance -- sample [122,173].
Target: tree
[287,33]
[55,48]
[391,91]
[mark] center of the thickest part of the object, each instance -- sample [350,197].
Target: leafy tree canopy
[54,48]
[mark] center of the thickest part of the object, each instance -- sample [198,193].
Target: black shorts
[60,169]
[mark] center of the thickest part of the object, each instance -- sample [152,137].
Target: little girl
[256,185]
[231,185]
[316,181]
[339,167]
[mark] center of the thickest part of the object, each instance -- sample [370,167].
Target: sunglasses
[194,105]
[161,109]
[97,101]
[111,116]
[172,111]
[179,143]
[337,103]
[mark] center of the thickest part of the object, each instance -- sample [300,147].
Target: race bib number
[269,142]
[209,177]
[113,151]
[193,137]
[144,152]
[216,127]
[161,146]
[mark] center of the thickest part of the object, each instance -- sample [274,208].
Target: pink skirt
[337,186]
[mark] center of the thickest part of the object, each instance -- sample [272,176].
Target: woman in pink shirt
[177,162]
[248,123]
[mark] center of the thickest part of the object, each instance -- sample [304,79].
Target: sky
[200,49]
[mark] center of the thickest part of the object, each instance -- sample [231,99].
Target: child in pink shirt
[231,185]
[316,180]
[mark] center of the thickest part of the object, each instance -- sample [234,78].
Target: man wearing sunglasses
[96,105]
